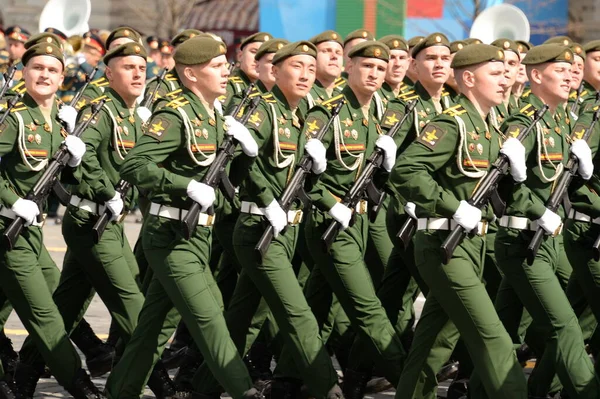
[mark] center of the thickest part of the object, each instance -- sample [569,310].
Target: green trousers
[182,284]
[107,268]
[24,285]
[538,288]
[458,306]
[348,277]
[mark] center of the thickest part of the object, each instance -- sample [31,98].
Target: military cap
[507,45]
[198,50]
[125,50]
[548,53]
[413,41]
[123,31]
[474,54]
[472,40]
[270,46]
[165,47]
[327,36]
[56,32]
[394,42]
[526,45]
[577,49]
[358,34]
[594,45]
[48,49]
[302,47]
[153,42]
[562,40]
[259,37]
[93,40]
[17,33]
[44,37]
[184,35]
[372,49]
[435,39]
[457,45]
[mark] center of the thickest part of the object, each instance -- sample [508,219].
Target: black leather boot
[8,356]
[99,357]
[458,388]
[355,384]
[253,393]
[6,392]
[285,388]
[26,378]
[185,374]
[448,372]
[84,388]
[160,383]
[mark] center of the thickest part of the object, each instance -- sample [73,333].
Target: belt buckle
[210,221]
[297,217]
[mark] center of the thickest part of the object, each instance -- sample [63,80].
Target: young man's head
[122,35]
[93,48]
[399,59]
[330,55]
[15,40]
[126,70]
[455,46]
[431,60]
[153,43]
[43,70]
[524,47]
[480,75]
[247,52]
[412,42]
[202,66]
[295,69]
[578,65]
[367,67]
[512,59]
[355,37]
[264,57]
[549,72]
[591,70]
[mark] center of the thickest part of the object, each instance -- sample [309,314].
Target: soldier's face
[397,67]
[211,77]
[511,67]
[522,74]
[265,70]
[15,49]
[247,61]
[366,75]
[329,59]
[552,82]
[488,83]
[43,75]
[126,76]
[295,76]
[433,65]
[577,72]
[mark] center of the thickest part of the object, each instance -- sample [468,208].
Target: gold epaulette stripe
[18,107]
[410,93]
[269,98]
[174,93]
[96,100]
[527,110]
[332,100]
[455,110]
[339,82]
[170,77]
[101,82]
[178,102]
[445,93]
[236,79]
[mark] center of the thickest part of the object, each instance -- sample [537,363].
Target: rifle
[81,90]
[216,174]
[42,187]
[8,77]
[149,98]
[364,183]
[486,189]
[576,103]
[560,190]
[295,187]
[10,105]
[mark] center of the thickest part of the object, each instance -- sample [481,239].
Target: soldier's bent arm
[8,142]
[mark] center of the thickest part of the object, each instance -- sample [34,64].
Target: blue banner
[296,19]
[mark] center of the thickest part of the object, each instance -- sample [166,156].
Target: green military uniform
[18,34]
[278,132]
[183,138]
[23,282]
[537,286]
[442,167]
[76,74]
[108,267]
[575,100]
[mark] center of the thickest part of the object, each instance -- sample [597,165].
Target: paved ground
[97,314]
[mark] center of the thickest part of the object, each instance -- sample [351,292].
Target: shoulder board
[96,100]
[170,77]
[235,79]
[339,82]
[100,82]
[333,101]
[269,98]
[527,110]
[408,96]
[445,93]
[255,92]
[526,93]
[174,94]
[573,95]
[455,110]
[18,107]
[177,102]
[19,87]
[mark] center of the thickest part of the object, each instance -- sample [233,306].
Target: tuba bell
[69,16]
[501,21]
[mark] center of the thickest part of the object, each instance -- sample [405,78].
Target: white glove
[276,216]
[582,151]
[68,115]
[318,153]
[26,209]
[115,205]
[411,209]
[515,151]
[76,148]
[549,221]
[342,214]
[242,135]
[218,106]
[144,113]
[387,144]
[467,215]
[202,194]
